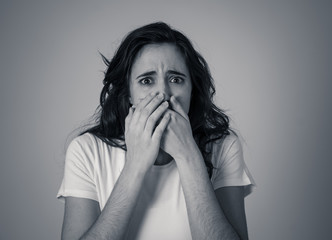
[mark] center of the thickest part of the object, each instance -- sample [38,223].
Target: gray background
[271,62]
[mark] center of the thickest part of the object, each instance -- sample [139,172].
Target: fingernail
[160,95]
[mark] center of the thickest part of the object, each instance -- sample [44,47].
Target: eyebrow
[168,72]
[146,74]
[176,73]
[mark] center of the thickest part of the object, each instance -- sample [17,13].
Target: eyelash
[144,79]
[178,80]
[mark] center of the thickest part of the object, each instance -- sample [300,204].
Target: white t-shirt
[92,168]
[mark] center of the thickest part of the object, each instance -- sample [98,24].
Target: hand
[143,132]
[178,140]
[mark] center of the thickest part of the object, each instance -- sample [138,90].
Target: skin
[160,90]
[161,70]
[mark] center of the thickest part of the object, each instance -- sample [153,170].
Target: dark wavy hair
[208,122]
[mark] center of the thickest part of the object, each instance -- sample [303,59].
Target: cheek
[137,99]
[137,95]
[184,101]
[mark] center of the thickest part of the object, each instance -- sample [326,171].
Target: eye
[146,81]
[176,80]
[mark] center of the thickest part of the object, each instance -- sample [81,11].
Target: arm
[113,220]
[206,218]
[205,212]
[78,210]
[86,211]
[140,131]
[231,200]
[84,214]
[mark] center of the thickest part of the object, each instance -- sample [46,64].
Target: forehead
[163,56]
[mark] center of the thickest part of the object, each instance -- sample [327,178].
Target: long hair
[208,122]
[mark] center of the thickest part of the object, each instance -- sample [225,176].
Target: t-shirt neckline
[162,167]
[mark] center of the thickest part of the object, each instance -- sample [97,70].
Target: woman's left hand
[178,140]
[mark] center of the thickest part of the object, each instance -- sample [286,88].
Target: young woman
[161,162]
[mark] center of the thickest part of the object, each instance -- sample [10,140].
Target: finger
[146,100]
[142,104]
[129,117]
[158,132]
[155,116]
[145,113]
[178,108]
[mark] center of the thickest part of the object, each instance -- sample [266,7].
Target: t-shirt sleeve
[230,168]
[78,179]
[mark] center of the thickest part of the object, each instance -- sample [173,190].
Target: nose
[164,88]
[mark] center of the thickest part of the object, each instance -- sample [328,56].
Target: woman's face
[160,68]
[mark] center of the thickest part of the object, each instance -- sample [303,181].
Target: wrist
[135,168]
[192,159]
[192,167]
[189,154]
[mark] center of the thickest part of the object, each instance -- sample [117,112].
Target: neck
[163,158]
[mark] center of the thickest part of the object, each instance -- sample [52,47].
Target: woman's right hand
[143,132]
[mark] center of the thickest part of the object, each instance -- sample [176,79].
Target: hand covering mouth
[169,107]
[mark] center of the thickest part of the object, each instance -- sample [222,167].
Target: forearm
[143,136]
[113,220]
[206,218]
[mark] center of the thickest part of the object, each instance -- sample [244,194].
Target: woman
[161,162]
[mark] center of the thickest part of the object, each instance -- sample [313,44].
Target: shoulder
[226,148]
[86,139]
[230,167]
[91,150]
[85,146]
[87,142]
[227,143]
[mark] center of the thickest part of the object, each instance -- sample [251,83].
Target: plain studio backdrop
[271,61]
